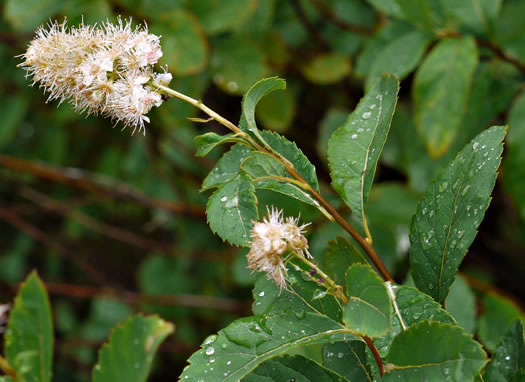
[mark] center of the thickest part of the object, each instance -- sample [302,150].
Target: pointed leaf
[232,209]
[461,304]
[348,359]
[355,147]
[341,254]
[293,368]
[246,343]
[303,295]
[265,169]
[434,352]
[440,91]
[369,308]
[29,336]
[128,355]
[449,214]
[207,142]
[227,168]
[410,306]
[509,357]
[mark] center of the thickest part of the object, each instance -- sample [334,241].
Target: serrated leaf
[227,168]
[236,64]
[270,174]
[293,368]
[29,336]
[369,308]
[340,255]
[252,97]
[440,91]
[410,306]
[184,44]
[327,68]
[294,155]
[355,147]
[461,304]
[207,142]
[246,343]
[498,315]
[434,352]
[348,359]
[232,209]
[303,295]
[128,355]
[509,357]
[400,56]
[449,214]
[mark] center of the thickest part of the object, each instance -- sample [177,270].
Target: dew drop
[465,190]
[372,107]
[360,130]
[366,115]
[354,136]
[232,86]
[443,187]
[261,294]
[224,198]
[318,293]
[210,350]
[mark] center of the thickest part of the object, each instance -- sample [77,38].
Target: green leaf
[410,306]
[441,89]
[128,355]
[13,111]
[27,15]
[355,147]
[333,118]
[29,336]
[509,357]
[476,15]
[461,303]
[390,7]
[246,343]
[327,68]
[449,214]
[264,169]
[221,16]
[236,64]
[277,111]
[227,168]
[303,295]
[232,209]
[184,44]
[498,315]
[510,30]
[348,359]
[369,307]
[294,155]
[514,171]
[207,142]
[341,254]
[293,368]
[434,352]
[426,15]
[253,96]
[400,56]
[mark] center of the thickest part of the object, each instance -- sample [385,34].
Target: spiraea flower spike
[271,240]
[103,69]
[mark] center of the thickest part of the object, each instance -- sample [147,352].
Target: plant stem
[377,357]
[367,247]
[6,368]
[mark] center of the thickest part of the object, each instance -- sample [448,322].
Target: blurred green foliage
[88,204]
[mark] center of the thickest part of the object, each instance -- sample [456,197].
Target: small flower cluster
[271,239]
[103,69]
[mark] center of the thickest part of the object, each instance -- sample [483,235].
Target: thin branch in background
[332,17]
[501,54]
[104,185]
[16,221]
[310,28]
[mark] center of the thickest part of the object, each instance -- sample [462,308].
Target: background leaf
[440,91]
[29,336]
[448,216]
[369,308]
[297,368]
[327,68]
[434,351]
[128,355]
[355,147]
[220,16]
[461,303]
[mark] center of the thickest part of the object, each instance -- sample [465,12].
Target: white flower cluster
[101,70]
[271,239]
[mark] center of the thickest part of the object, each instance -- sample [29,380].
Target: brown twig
[329,15]
[182,300]
[501,54]
[310,28]
[16,221]
[100,184]
[377,357]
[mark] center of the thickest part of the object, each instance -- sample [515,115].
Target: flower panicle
[271,240]
[104,69]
